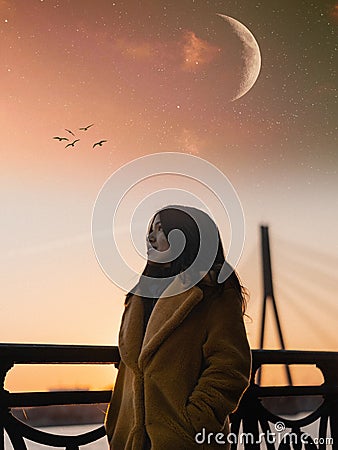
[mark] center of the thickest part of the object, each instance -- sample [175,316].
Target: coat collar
[169,312]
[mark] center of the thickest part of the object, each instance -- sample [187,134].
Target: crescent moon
[251,56]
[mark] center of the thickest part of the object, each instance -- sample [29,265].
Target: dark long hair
[193,223]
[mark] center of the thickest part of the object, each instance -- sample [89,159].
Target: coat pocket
[189,425]
[202,419]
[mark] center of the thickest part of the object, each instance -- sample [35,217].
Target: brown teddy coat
[187,373]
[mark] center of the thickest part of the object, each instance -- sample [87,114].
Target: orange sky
[133,73]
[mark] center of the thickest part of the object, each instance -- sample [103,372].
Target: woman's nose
[151,238]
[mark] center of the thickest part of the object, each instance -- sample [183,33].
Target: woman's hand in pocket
[202,418]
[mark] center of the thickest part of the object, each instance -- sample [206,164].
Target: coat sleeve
[227,363]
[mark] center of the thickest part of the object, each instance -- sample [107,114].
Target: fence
[253,426]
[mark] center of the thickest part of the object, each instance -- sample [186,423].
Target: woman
[185,358]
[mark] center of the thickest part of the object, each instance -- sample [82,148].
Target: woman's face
[157,237]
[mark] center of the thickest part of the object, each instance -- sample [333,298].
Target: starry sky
[158,76]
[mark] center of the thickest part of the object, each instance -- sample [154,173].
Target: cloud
[334,12]
[45,247]
[197,52]
[7,9]
[5,4]
[189,52]
[138,51]
[189,142]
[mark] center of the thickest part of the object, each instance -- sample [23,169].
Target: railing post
[2,432]
[330,373]
[5,366]
[334,422]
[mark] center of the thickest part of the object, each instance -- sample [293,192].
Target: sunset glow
[157,76]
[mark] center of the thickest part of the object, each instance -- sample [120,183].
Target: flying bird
[61,138]
[99,143]
[70,131]
[86,128]
[72,143]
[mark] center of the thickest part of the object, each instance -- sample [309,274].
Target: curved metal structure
[253,426]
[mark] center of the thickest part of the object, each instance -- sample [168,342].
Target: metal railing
[253,420]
